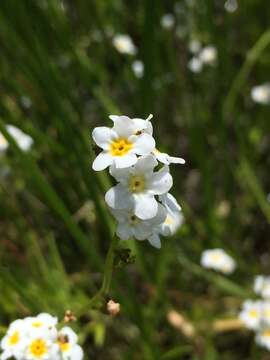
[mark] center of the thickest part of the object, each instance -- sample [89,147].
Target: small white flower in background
[262,286]
[167,21]
[261,94]
[26,102]
[251,314]
[263,338]
[137,187]
[218,260]
[208,55]
[195,65]
[266,313]
[231,6]
[37,338]
[194,46]
[138,68]
[23,140]
[140,201]
[124,44]
[68,342]
[120,144]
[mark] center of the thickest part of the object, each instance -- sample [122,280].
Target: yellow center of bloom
[136,184]
[266,333]
[37,324]
[215,257]
[169,220]
[253,313]
[38,348]
[120,147]
[14,338]
[64,346]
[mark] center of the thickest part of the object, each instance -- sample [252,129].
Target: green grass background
[55,229]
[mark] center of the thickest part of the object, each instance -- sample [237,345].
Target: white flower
[194,46]
[45,323]
[231,6]
[67,341]
[263,338]
[129,225]
[261,94]
[167,159]
[124,44]
[41,347]
[138,68]
[218,260]
[251,314]
[208,55]
[138,186]
[174,217]
[120,144]
[167,21]
[14,342]
[262,286]
[24,141]
[266,313]
[195,65]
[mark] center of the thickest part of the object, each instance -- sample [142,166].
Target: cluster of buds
[255,314]
[140,201]
[36,338]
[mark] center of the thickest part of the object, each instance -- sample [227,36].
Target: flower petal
[155,240]
[102,136]
[102,161]
[161,181]
[143,144]
[120,174]
[145,164]
[124,231]
[125,161]
[146,206]
[118,198]
[123,126]
[170,201]
[176,160]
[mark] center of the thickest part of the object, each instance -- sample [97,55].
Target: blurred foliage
[60,77]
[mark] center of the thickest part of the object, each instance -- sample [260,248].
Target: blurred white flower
[174,217]
[251,314]
[120,144]
[138,68]
[266,313]
[14,342]
[41,347]
[129,225]
[26,102]
[231,6]
[219,260]
[194,46]
[208,55]
[124,44]
[43,322]
[262,286]
[263,338]
[137,187]
[167,159]
[167,21]
[195,65]
[261,94]
[68,343]
[23,140]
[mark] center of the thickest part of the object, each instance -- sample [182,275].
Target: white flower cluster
[140,200]
[218,260]
[261,94]
[201,56]
[37,338]
[255,314]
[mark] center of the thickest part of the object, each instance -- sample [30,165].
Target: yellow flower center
[63,342]
[120,147]
[169,220]
[14,338]
[136,184]
[37,324]
[266,333]
[253,313]
[38,348]
[215,257]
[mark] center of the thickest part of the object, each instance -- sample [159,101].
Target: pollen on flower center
[37,324]
[133,220]
[136,184]
[14,338]
[120,147]
[253,313]
[169,220]
[38,347]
